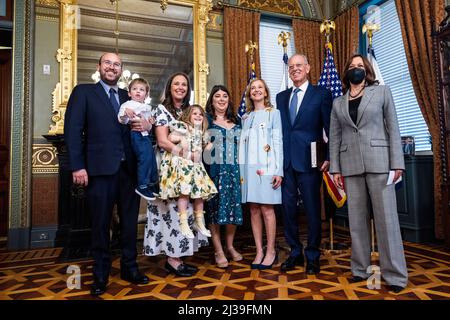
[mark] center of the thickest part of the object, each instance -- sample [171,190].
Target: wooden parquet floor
[37,275]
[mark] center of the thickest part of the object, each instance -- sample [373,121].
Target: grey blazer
[373,145]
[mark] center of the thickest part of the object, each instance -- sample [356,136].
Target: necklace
[354,96]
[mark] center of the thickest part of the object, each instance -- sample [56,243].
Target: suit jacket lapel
[367,96]
[306,97]
[100,91]
[123,96]
[345,112]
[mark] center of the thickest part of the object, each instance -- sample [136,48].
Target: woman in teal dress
[223,168]
[261,168]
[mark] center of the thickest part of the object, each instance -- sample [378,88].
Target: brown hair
[168,99]
[139,81]
[187,113]
[230,115]
[370,73]
[249,102]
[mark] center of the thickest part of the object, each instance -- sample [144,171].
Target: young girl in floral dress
[184,178]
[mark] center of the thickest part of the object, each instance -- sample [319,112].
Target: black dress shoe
[312,267]
[395,289]
[291,262]
[134,277]
[98,288]
[190,267]
[180,271]
[355,279]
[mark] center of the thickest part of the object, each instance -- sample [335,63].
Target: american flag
[285,82]
[329,78]
[242,106]
[373,62]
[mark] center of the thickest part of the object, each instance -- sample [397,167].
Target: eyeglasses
[298,66]
[108,63]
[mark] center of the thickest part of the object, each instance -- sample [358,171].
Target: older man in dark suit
[305,112]
[102,160]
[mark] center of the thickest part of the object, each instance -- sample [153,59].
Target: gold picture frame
[66,56]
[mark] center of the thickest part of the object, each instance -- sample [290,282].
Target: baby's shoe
[199,224]
[184,226]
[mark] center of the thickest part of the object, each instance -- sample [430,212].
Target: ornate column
[21,126]
[201,71]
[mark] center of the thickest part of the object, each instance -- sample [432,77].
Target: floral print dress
[180,176]
[225,207]
[162,230]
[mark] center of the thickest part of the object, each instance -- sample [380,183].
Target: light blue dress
[261,156]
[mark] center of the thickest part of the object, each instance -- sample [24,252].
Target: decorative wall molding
[47,13]
[47,3]
[291,8]
[215,22]
[44,159]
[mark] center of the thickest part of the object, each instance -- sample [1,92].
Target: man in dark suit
[305,111]
[101,159]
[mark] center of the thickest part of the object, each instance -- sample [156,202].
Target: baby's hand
[151,120]
[130,113]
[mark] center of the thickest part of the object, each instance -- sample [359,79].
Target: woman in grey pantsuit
[364,146]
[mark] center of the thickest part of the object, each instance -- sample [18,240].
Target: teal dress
[223,169]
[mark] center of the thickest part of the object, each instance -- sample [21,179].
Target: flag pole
[370,29]
[283,39]
[326,27]
[250,48]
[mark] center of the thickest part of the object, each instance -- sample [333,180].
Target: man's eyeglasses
[108,63]
[298,66]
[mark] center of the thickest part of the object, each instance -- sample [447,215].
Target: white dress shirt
[300,94]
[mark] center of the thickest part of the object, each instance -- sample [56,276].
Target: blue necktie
[293,105]
[112,98]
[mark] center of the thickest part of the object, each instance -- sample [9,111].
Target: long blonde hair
[249,102]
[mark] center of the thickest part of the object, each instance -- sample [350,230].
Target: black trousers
[103,193]
[309,185]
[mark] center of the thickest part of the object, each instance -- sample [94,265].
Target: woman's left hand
[276,182]
[397,175]
[140,124]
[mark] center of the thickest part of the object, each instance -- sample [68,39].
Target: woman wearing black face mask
[365,146]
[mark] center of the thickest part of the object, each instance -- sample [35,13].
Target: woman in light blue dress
[261,168]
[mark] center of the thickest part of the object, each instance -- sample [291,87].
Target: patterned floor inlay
[37,275]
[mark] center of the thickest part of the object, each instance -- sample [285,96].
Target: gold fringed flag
[338,195]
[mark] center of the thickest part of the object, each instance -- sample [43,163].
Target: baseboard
[43,236]
[19,239]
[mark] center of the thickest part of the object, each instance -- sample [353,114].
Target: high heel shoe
[235,256]
[256,265]
[264,266]
[221,260]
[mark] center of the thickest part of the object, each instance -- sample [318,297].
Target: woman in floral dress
[225,207]
[162,231]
